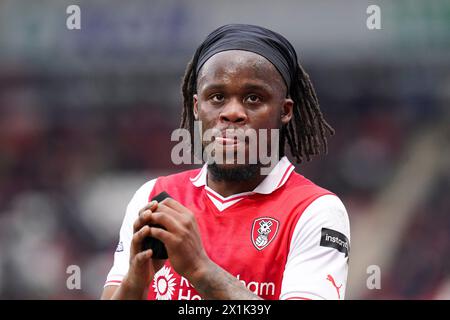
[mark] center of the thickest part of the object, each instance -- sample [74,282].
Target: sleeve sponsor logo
[334,239]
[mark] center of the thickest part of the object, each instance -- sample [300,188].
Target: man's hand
[181,238]
[142,267]
[187,255]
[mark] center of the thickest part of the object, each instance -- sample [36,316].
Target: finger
[165,236]
[149,206]
[184,217]
[145,216]
[141,220]
[170,211]
[143,257]
[138,237]
[165,219]
[174,204]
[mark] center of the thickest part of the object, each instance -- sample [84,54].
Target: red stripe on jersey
[197,177]
[227,200]
[284,175]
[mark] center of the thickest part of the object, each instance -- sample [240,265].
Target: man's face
[240,90]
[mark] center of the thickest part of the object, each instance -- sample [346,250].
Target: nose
[233,112]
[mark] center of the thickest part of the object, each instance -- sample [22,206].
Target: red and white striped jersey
[286,239]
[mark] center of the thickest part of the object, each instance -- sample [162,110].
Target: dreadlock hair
[305,134]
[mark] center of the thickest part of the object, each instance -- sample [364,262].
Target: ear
[195,107]
[286,110]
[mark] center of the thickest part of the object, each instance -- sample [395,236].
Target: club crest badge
[264,230]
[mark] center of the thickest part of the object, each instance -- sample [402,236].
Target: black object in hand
[159,249]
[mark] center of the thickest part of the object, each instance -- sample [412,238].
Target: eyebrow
[247,87]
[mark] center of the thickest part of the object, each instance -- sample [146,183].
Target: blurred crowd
[421,268]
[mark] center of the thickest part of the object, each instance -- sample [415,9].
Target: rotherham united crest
[264,230]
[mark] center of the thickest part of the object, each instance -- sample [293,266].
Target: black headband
[271,45]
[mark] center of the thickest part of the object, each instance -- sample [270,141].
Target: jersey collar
[274,180]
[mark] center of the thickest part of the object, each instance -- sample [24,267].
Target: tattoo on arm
[217,284]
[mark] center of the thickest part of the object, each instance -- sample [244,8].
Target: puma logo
[331,279]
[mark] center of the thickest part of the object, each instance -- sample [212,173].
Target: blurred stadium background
[86,118]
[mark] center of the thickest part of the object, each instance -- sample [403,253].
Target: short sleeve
[317,263]
[122,254]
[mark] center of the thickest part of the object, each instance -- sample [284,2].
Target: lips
[230,137]
[227,141]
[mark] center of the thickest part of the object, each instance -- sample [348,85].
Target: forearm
[215,283]
[128,291]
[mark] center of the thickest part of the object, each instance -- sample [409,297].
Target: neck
[230,181]
[227,188]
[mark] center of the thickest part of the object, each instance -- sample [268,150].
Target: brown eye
[253,98]
[217,97]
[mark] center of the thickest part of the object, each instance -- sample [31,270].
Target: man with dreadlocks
[230,231]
